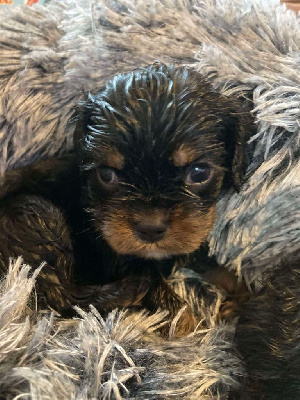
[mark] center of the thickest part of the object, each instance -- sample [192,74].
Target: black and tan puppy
[153,152]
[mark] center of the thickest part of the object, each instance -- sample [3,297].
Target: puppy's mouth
[157,235]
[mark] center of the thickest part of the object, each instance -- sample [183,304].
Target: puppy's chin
[155,254]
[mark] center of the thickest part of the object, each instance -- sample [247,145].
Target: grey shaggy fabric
[42,357]
[49,57]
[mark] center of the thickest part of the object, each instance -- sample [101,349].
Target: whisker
[84,230]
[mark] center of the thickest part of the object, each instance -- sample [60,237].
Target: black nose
[150,232]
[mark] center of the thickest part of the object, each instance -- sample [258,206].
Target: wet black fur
[145,114]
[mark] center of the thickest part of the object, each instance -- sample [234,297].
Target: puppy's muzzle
[151,229]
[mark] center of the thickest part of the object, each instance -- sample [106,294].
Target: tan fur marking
[113,158]
[183,156]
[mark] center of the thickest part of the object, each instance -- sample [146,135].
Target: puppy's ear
[239,128]
[82,120]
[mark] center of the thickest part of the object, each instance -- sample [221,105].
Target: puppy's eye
[198,174]
[107,176]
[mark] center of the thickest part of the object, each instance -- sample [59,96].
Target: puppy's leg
[126,292]
[35,229]
[161,295]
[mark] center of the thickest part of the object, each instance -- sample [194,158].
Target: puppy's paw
[181,325]
[236,292]
[228,311]
[184,323]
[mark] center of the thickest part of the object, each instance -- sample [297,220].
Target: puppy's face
[155,146]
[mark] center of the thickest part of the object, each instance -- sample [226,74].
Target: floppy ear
[83,120]
[239,128]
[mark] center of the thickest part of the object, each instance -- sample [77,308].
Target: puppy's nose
[151,232]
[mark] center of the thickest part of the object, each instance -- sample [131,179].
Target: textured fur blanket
[49,57]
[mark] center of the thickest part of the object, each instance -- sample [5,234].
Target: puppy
[152,153]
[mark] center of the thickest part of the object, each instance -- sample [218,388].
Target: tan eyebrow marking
[183,156]
[113,158]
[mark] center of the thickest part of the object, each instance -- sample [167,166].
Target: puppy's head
[155,147]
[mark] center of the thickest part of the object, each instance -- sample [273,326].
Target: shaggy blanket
[49,57]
